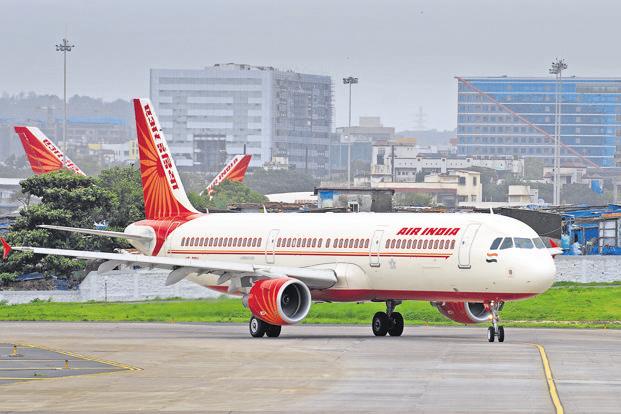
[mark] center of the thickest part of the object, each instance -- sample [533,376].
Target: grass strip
[571,306]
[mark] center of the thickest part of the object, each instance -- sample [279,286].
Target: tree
[225,194]
[67,199]
[533,168]
[280,181]
[126,184]
[412,199]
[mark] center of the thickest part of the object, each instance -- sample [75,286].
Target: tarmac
[310,368]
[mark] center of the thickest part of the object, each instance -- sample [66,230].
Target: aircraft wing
[95,232]
[182,267]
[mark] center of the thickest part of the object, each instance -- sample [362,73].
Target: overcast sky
[405,53]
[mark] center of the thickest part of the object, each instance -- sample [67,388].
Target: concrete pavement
[218,367]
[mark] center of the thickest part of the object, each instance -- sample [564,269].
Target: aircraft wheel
[501,334]
[257,327]
[397,324]
[273,331]
[381,324]
[491,335]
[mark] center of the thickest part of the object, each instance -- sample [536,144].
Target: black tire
[257,327]
[491,335]
[380,324]
[501,334]
[273,331]
[397,324]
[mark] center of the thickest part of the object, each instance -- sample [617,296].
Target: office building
[259,110]
[504,116]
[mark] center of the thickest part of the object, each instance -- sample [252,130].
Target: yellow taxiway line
[558,406]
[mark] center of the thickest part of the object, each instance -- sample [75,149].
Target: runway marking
[558,406]
[84,357]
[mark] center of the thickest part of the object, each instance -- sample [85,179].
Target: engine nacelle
[464,312]
[282,301]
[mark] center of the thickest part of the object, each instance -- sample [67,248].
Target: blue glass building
[590,118]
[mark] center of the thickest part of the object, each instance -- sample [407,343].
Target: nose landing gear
[495,331]
[389,322]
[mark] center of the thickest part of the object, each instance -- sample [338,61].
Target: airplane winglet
[7,249]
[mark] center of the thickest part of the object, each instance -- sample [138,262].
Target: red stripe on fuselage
[353,295]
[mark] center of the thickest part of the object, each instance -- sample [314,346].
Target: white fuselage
[377,256]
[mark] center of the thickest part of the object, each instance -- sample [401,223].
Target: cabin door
[465,245]
[270,246]
[374,248]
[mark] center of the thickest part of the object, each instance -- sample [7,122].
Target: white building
[260,110]
[401,163]
[450,189]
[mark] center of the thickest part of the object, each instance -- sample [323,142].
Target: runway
[218,367]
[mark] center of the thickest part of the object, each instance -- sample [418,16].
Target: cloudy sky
[405,53]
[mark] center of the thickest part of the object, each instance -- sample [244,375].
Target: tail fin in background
[164,195]
[235,170]
[44,156]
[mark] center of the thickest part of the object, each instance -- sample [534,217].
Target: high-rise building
[504,116]
[260,110]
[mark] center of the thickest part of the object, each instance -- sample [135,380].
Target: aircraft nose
[542,274]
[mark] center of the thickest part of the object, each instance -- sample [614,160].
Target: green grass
[571,306]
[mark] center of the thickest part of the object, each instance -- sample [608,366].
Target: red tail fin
[164,195]
[235,170]
[44,156]
[6,250]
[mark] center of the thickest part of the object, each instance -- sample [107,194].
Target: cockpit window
[495,243]
[523,243]
[539,243]
[507,243]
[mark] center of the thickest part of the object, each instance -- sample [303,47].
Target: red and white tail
[44,156]
[164,195]
[235,170]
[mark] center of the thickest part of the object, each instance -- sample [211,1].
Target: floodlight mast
[557,68]
[349,81]
[64,47]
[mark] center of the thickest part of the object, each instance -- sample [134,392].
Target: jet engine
[282,301]
[464,312]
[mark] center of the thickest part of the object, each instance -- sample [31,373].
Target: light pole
[558,66]
[64,47]
[349,81]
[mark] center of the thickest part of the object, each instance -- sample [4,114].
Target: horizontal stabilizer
[94,232]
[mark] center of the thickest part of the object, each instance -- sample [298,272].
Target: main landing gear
[389,322]
[495,331]
[258,328]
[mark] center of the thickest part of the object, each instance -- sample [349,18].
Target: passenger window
[387,243]
[409,244]
[351,243]
[366,243]
[435,244]
[539,243]
[452,244]
[314,242]
[507,243]
[356,243]
[319,242]
[393,242]
[441,245]
[304,242]
[327,243]
[495,243]
[278,243]
[523,243]
[259,240]
[425,244]
[299,242]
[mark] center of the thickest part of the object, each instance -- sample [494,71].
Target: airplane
[44,156]
[235,170]
[466,265]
